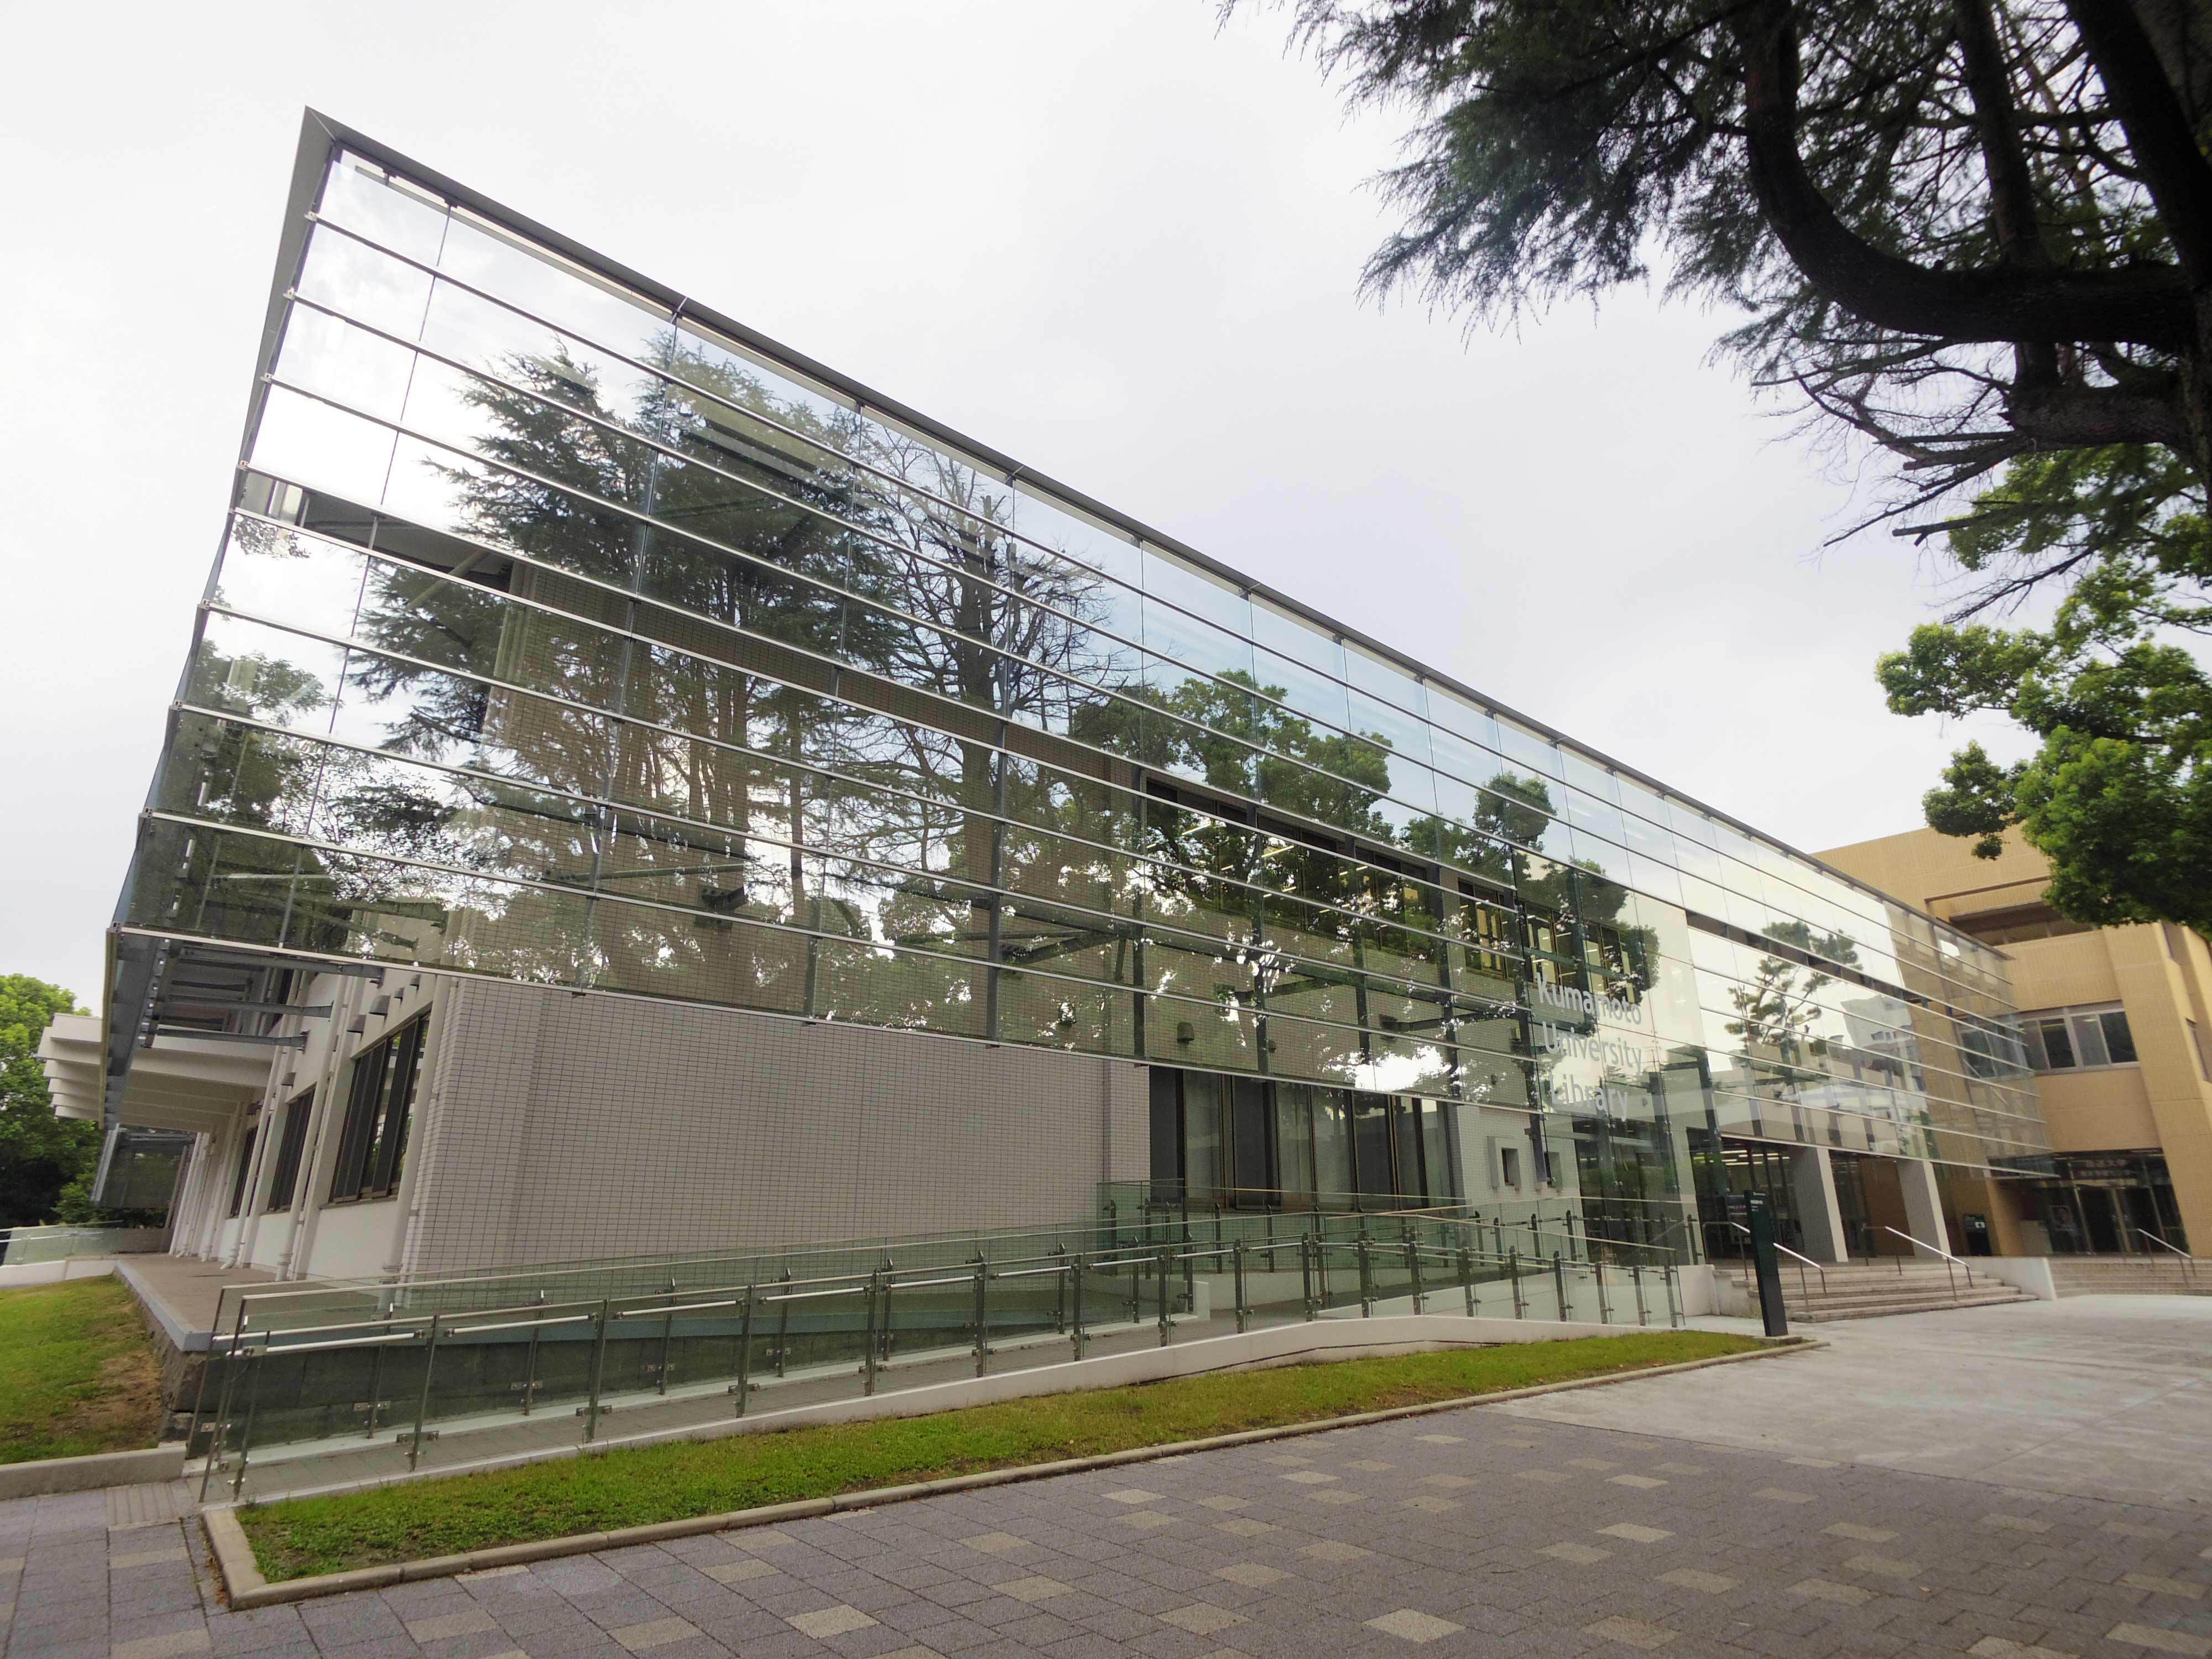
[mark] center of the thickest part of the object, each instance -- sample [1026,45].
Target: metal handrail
[1803,1262]
[1951,1265]
[1446,1265]
[2188,1261]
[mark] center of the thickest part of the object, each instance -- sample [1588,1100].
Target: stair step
[1828,1316]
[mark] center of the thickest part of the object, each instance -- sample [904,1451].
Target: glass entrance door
[1871,1198]
[1728,1168]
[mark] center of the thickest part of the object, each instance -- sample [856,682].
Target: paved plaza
[1784,1507]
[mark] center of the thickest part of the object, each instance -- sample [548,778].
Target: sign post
[1767,1262]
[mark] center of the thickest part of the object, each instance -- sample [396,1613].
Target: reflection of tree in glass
[1777,1012]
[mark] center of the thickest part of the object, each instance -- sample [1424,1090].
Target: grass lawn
[641,1485]
[76,1373]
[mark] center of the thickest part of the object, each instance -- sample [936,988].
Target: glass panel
[1333,1167]
[361,195]
[2089,1040]
[2119,1041]
[1294,1139]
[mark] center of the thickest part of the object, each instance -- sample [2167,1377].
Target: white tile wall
[566,1126]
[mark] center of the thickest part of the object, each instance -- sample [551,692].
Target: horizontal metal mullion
[1148,861]
[595,268]
[625,510]
[985,526]
[1148,929]
[333,962]
[616,631]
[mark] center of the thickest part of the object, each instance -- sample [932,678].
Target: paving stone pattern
[1422,1534]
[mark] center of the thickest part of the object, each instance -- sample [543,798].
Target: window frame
[380,1089]
[239,1194]
[291,1146]
[2085,1028]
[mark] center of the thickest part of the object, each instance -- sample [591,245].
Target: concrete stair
[2129,1275]
[1869,1290]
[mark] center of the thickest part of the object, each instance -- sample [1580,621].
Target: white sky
[1108,241]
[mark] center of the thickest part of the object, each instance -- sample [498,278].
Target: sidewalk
[1774,1509]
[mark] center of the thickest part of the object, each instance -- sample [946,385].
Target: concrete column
[1923,1203]
[1813,1185]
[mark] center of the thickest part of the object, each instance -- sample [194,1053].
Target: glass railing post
[1673,1305]
[1321,1268]
[1559,1284]
[1636,1277]
[782,1328]
[245,1435]
[868,1336]
[1164,1267]
[1513,1273]
[667,1334]
[1075,1302]
[744,1350]
[1498,1235]
[1306,1251]
[1604,1307]
[375,1391]
[983,1319]
[599,1368]
[530,1363]
[1237,1267]
[1059,1291]
[1467,1278]
[1414,1270]
[422,1400]
[1366,1277]
[219,1430]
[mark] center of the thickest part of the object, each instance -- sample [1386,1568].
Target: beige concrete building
[2118,1025]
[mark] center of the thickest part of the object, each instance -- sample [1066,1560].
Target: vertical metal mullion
[422,1398]
[998,926]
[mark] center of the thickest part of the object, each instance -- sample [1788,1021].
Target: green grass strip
[638,1486]
[76,1373]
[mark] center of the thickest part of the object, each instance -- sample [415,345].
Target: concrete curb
[248,1588]
[129,1468]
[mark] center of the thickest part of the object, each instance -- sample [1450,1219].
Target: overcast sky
[1111,241]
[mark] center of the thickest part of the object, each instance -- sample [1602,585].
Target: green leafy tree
[40,1153]
[2118,794]
[1974,236]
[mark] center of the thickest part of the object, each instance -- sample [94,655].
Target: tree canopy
[40,1153]
[1975,236]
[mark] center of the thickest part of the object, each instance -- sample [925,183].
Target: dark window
[2065,1039]
[1167,1135]
[245,1166]
[373,1143]
[2119,1041]
[285,1181]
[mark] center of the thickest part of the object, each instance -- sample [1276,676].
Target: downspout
[316,1162]
[424,1124]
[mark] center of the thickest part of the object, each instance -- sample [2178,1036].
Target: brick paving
[1478,1531]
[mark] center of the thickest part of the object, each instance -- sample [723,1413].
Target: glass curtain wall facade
[565,634]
